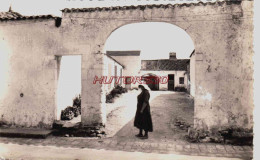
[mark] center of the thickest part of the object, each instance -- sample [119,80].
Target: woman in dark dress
[143,119]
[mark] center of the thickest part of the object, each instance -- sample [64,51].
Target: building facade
[114,70]
[132,64]
[175,70]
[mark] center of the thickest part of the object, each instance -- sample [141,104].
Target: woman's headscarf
[145,86]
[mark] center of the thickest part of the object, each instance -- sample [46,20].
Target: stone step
[24,133]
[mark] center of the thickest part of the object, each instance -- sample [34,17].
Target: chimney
[172,55]
[10,8]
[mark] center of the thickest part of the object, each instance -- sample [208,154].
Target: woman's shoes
[144,137]
[139,135]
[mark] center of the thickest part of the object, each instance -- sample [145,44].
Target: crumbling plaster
[29,77]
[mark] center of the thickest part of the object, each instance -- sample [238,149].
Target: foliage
[115,92]
[228,135]
[72,111]
[77,102]
[180,89]
[67,113]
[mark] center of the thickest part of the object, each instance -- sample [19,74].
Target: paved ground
[166,139]
[209,150]
[30,152]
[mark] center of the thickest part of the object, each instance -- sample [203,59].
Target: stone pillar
[202,114]
[93,97]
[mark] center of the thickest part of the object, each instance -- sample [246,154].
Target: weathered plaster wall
[222,36]
[29,49]
[224,71]
[27,69]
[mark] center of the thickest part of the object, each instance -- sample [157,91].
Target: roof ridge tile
[142,7]
[5,16]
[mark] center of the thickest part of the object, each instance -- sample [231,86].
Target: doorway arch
[152,78]
[121,36]
[210,26]
[151,29]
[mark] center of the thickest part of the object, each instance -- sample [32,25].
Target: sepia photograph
[128,79]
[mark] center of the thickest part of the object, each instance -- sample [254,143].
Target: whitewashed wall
[177,75]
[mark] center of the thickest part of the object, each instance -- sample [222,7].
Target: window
[181,80]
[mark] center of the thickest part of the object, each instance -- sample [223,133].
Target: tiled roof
[142,7]
[123,53]
[16,16]
[9,15]
[165,64]
[5,16]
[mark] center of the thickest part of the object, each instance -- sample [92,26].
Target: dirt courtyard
[166,106]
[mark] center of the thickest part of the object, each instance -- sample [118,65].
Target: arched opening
[151,80]
[151,51]
[147,36]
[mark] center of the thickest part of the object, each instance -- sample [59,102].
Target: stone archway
[212,27]
[222,33]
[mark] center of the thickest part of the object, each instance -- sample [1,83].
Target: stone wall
[28,73]
[224,71]
[222,36]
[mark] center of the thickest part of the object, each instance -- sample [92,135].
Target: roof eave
[142,7]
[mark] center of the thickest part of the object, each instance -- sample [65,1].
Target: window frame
[181,80]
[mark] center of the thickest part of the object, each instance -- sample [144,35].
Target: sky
[155,40]
[69,83]
[30,7]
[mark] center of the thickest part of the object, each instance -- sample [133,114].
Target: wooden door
[171,82]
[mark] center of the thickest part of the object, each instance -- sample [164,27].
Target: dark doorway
[152,81]
[171,82]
